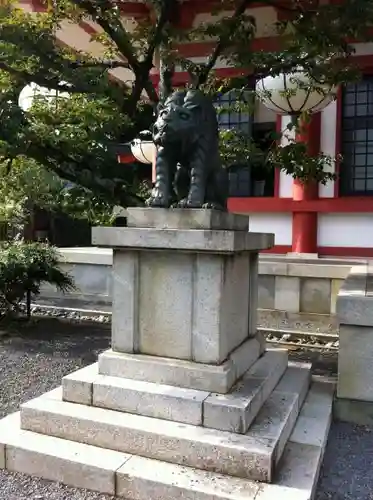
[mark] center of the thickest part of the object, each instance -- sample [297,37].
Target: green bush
[23,268]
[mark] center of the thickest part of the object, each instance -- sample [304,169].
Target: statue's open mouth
[162,137]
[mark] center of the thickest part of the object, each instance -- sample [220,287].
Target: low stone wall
[91,269]
[297,287]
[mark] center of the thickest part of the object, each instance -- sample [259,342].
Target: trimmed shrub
[23,268]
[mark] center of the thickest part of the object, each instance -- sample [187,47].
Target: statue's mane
[177,98]
[201,106]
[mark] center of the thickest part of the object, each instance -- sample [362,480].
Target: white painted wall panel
[279,224]
[345,230]
[263,114]
[328,143]
[363,49]
[286,181]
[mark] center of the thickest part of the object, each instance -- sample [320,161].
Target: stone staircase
[141,439]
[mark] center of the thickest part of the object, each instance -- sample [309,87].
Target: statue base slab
[180,218]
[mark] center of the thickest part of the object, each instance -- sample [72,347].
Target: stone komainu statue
[188,168]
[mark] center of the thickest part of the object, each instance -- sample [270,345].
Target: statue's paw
[158,200]
[183,203]
[190,203]
[212,206]
[194,203]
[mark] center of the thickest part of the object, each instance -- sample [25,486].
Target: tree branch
[119,36]
[42,80]
[117,33]
[222,44]
[54,159]
[166,73]
[168,9]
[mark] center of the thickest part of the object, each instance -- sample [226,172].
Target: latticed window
[240,181]
[356,173]
[241,177]
[232,118]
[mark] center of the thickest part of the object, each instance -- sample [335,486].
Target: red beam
[203,49]
[134,8]
[126,158]
[288,205]
[180,78]
[207,6]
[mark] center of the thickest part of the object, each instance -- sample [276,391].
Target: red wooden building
[336,219]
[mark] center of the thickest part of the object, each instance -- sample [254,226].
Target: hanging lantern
[143,149]
[294,93]
[33,91]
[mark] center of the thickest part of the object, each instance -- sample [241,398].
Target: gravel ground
[33,362]
[347,470]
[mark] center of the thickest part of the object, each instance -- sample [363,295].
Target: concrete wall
[285,284]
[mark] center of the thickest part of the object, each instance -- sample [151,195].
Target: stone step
[75,464]
[138,478]
[183,444]
[183,373]
[251,456]
[162,401]
[279,413]
[233,412]
[302,458]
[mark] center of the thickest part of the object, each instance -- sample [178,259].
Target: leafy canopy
[75,138]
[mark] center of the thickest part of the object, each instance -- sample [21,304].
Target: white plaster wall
[279,224]
[266,19]
[205,17]
[345,230]
[286,181]
[72,35]
[26,5]
[263,114]
[363,49]
[328,136]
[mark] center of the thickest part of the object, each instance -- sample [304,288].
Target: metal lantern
[32,91]
[293,93]
[143,149]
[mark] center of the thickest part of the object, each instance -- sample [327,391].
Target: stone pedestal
[185,287]
[187,403]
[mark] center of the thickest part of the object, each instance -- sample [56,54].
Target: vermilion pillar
[304,234]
